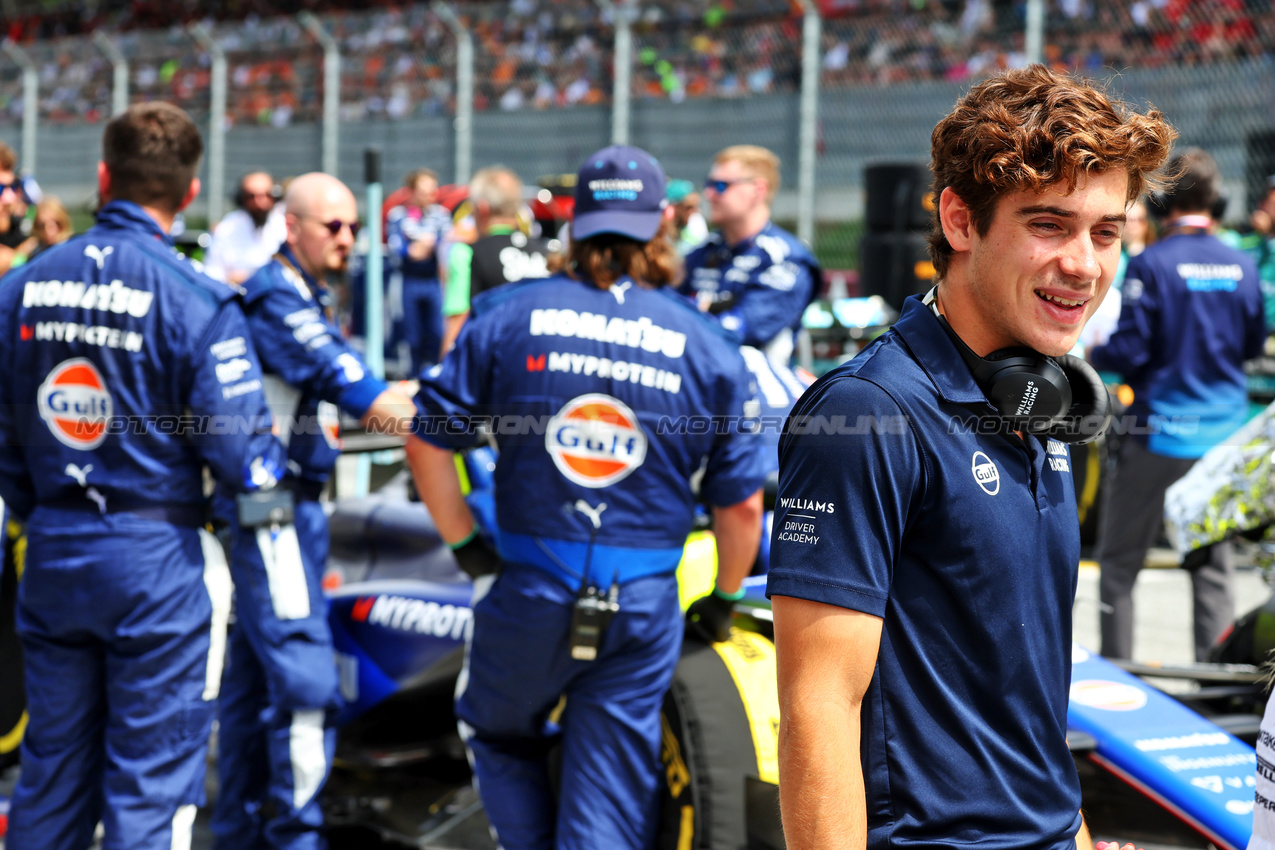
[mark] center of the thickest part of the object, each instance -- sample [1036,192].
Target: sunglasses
[720,186]
[334,227]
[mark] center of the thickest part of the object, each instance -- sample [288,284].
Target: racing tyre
[720,729]
[13,696]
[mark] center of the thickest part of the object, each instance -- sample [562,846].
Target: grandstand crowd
[398,60]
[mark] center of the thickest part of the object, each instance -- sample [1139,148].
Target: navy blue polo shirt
[900,497]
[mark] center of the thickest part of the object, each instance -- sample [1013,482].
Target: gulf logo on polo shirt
[986,473]
[74,402]
[595,440]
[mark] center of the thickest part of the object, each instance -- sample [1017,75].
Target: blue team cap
[619,190]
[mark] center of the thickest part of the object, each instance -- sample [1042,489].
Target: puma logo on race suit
[80,475]
[98,255]
[594,514]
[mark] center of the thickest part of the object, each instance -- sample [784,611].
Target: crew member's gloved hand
[708,619]
[724,301]
[476,557]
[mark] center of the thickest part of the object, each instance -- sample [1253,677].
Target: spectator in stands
[247,237]
[52,226]
[503,253]
[1189,394]
[413,230]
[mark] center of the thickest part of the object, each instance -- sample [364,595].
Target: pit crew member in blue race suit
[923,569]
[412,233]
[126,373]
[275,735]
[1191,314]
[593,509]
[755,277]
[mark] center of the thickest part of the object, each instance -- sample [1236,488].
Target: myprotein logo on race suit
[75,403]
[595,440]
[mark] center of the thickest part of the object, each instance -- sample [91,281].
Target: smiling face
[1040,271]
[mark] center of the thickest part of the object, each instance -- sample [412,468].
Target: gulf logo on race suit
[74,402]
[595,440]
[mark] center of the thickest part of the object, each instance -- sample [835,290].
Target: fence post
[807,140]
[30,102]
[1034,37]
[622,89]
[216,122]
[464,120]
[331,88]
[119,71]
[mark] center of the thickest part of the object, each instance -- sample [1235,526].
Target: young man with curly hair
[923,614]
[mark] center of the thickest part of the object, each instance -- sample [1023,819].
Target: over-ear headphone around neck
[1061,397]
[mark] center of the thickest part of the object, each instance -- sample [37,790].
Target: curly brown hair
[1031,128]
[605,258]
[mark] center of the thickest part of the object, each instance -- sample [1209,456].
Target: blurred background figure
[690,229]
[412,233]
[52,226]
[247,237]
[1203,297]
[502,253]
[1258,241]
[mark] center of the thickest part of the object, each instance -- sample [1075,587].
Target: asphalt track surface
[1162,632]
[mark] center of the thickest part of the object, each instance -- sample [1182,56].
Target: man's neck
[500,225]
[752,224]
[163,219]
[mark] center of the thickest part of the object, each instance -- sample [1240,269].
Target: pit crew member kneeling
[593,510]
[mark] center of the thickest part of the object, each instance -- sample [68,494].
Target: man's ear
[103,182]
[958,225]
[191,194]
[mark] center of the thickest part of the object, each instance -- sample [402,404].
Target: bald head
[322,220]
[313,190]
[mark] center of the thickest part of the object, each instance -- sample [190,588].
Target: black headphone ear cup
[1090,413]
[1030,390]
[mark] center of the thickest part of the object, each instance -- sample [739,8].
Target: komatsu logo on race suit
[408,614]
[635,333]
[114,297]
[74,403]
[595,440]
